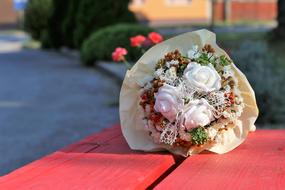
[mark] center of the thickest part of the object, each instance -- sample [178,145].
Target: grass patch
[32,44]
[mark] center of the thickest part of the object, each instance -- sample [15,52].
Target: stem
[128,65]
[142,50]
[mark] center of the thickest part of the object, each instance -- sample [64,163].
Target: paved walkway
[48,101]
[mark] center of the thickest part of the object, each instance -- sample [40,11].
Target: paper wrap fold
[131,113]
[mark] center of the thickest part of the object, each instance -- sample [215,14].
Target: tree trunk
[280,30]
[212,22]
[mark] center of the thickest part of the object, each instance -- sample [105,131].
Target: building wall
[168,11]
[7,13]
[163,12]
[260,10]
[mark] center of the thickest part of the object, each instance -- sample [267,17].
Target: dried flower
[208,48]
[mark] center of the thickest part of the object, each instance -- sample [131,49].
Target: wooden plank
[259,163]
[53,160]
[100,161]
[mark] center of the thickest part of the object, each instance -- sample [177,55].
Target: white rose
[167,102]
[198,114]
[205,78]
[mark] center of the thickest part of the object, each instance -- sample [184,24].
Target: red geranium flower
[137,41]
[155,37]
[119,54]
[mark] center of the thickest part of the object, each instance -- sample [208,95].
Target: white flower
[169,76]
[204,78]
[193,53]
[171,73]
[227,71]
[167,102]
[198,114]
[227,89]
[212,132]
[158,73]
[171,63]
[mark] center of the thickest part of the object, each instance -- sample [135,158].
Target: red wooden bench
[104,161]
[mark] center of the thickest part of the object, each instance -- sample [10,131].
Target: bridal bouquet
[185,95]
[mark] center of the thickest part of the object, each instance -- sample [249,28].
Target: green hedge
[36,15]
[101,44]
[54,37]
[95,14]
[69,23]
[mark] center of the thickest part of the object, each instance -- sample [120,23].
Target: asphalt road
[48,101]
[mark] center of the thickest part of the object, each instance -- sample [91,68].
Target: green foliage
[101,44]
[224,61]
[267,76]
[69,23]
[36,17]
[54,36]
[45,40]
[203,59]
[95,14]
[198,136]
[180,69]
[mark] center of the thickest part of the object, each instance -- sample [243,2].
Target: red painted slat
[100,161]
[259,163]
[53,160]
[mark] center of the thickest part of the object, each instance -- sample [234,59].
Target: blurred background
[58,83]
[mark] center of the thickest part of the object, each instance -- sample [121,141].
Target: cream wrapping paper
[131,114]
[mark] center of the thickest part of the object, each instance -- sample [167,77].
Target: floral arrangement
[192,99]
[186,95]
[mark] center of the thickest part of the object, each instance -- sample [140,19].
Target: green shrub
[54,35]
[36,17]
[101,44]
[267,78]
[95,14]
[69,23]
[45,40]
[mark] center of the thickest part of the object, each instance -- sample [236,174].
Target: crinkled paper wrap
[131,113]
